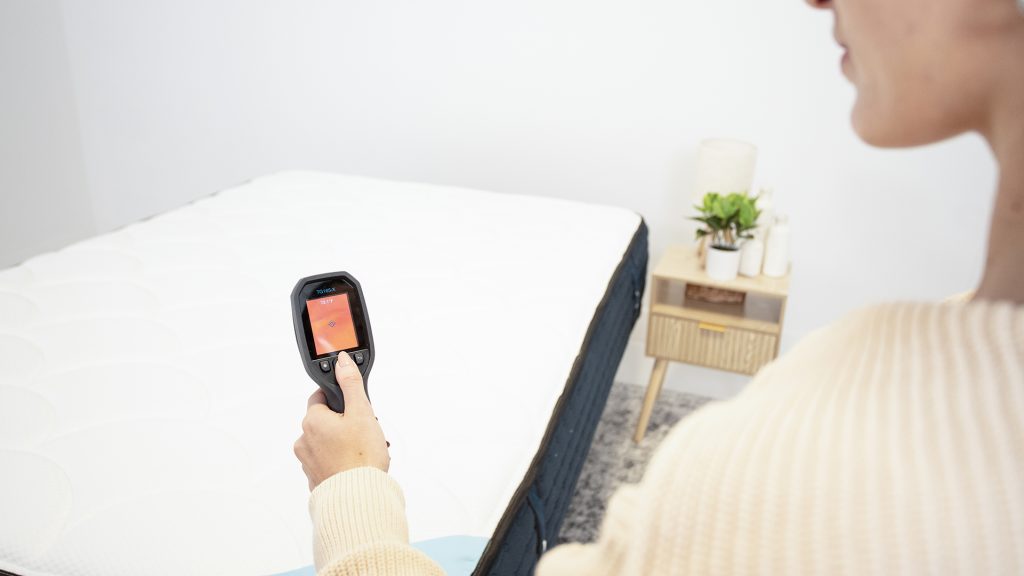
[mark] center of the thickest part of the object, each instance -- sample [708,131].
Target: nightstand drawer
[710,345]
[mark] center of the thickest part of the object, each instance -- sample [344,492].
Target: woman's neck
[1003,278]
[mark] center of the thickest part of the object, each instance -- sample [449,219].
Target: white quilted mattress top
[151,389]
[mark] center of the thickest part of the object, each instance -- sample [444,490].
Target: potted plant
[727,220]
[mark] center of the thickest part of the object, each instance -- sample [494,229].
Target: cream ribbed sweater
[889,442]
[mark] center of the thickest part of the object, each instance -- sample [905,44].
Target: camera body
[329,316]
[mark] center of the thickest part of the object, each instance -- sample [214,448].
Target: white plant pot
[722,264]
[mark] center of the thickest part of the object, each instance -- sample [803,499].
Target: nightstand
[737,337]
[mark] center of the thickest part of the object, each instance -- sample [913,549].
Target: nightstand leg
[653,389]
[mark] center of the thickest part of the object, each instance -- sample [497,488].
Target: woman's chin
[887,123]
[876,130]
[868,130]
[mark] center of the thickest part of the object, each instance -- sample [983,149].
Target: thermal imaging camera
[329,316]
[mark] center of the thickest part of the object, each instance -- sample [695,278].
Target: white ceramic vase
[722,264]
[776,250]
[751,257]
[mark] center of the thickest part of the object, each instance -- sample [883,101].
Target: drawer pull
[711,327]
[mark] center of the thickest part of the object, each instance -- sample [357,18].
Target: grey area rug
[614,459]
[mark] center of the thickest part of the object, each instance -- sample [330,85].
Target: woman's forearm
[359,527]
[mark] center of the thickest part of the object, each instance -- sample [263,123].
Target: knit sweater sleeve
[359,527]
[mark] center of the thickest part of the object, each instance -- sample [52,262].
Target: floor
[614,459]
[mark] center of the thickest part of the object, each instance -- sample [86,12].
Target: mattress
[150,390]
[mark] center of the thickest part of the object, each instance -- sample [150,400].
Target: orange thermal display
[331,321]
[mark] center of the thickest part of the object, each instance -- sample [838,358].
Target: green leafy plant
[727,218]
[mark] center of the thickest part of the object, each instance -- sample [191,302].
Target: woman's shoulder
[958,321]
[891,322]
[881,359]
[882,414]
[960,298]
[886,350]
[904,340]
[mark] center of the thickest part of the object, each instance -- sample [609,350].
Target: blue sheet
[458,555]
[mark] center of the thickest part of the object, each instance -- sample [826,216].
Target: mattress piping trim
[492,549]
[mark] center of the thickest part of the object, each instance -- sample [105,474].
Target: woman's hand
[332,442]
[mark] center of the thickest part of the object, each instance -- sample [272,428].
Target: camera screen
[331,321]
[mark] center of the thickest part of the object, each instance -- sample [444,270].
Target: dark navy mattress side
[534,517]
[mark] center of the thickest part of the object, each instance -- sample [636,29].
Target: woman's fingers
[317,397]
[351,383]
[331,444]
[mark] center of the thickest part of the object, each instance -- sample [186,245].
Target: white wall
[591,100]
[43,200]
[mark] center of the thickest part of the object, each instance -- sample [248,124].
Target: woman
[889,442]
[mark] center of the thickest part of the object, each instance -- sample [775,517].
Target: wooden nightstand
[735,337]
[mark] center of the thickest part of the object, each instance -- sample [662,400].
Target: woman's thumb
[351,383]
